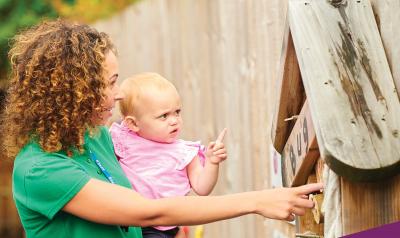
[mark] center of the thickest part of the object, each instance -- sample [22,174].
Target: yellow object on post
[198,232]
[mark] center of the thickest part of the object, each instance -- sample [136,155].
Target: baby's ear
[131,123]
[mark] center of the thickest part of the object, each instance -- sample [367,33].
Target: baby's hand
[216,152]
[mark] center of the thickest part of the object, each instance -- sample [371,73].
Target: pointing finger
[309,188]
[221,136]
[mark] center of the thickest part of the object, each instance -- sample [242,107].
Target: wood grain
[369,205]
[348,83]
[291,95]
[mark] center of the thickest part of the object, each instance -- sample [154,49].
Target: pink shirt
[155,170]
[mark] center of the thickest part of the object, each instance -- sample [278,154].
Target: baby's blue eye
[163,116]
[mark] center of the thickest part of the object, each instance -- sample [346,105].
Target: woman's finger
[304,203]
[309,188]
[298,211]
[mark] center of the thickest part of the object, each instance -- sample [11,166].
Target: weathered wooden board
[290,91]
[301,151]
[378,203]
[387,16]
[353,100]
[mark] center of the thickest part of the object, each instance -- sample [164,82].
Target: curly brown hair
[56,86]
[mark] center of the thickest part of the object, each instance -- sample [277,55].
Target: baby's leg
[150,232]
[180,234]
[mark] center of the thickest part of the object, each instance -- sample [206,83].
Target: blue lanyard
[106,173]
[103,170]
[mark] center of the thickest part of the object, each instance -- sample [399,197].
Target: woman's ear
[131,123]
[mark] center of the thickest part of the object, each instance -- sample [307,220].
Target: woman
[66,179]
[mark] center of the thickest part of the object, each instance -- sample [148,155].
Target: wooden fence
[223,56]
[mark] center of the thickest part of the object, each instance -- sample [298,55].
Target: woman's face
[112,92]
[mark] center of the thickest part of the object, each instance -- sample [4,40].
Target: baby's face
[160,115]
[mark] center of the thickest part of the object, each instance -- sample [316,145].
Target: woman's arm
[107,203]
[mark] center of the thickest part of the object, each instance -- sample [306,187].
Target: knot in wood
[337,3]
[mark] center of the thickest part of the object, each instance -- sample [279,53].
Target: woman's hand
[284,203]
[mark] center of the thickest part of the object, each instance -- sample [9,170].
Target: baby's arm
[203,179]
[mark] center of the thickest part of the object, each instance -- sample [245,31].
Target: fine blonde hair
[56,86]
[133,88]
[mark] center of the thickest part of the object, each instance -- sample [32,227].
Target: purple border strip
[386,231]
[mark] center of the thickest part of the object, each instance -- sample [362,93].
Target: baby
[146,143]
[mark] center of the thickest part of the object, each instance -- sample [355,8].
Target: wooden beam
[369,205]
[291,93]
[300,152]
[350,89]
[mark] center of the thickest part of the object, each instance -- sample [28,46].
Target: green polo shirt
[43,183]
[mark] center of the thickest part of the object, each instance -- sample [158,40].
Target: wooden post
[354,106]
[369,205]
